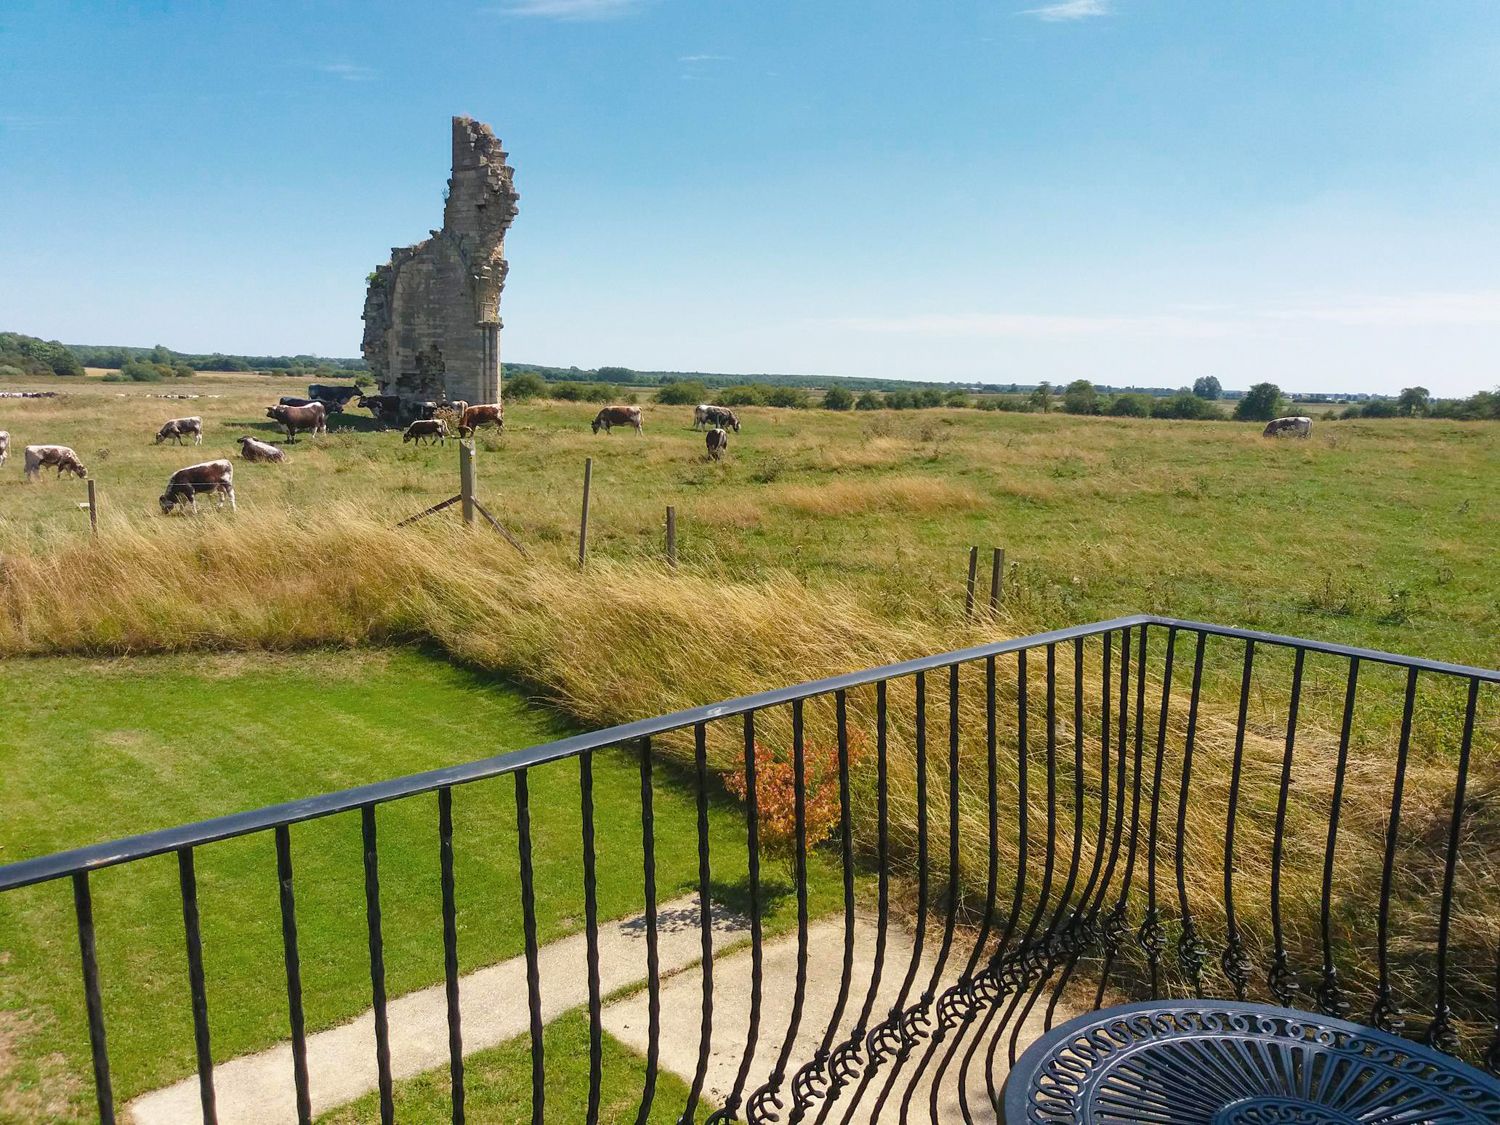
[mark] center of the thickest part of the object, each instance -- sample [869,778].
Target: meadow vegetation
[828,541]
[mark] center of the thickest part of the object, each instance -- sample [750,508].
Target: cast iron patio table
[1203,1062]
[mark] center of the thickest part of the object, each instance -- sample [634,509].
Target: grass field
[95,749]
[1371,532]
[825,542]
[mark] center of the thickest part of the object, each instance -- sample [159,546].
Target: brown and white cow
[1300,427]
[312,418]
[252,450]
[433,429]
[39,457]
[717,441]
[180,428]
[485,414]
[618,416]
[4,446]
[184,485]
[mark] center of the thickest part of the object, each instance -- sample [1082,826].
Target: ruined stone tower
[432,314]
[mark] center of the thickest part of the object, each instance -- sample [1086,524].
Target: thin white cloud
[349,72]
[702,58]
[1410,310]
[1068,11]
[576,11]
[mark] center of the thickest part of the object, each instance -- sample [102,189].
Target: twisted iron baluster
[1282,980]
[1234,960]
[1440,1032]
[1386,1014]
[729,1110]
[1331,1000]
[1190,951]
[1152,936]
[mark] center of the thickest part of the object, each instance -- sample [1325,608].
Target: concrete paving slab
[258,1089]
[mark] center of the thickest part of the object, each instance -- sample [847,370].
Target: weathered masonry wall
[432,313]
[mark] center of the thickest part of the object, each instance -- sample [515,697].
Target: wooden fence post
[93,509]
[997,576]
[583,523]
[466,480]
[671,537]
[969,589]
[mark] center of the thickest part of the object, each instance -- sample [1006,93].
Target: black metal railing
[1174,809]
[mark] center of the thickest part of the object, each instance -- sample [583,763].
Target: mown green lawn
[92,750]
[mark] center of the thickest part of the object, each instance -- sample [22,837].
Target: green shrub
[688,392]
[1261,403]
[1184,405]
[1129,406]
[868,401]
[525,385]
[1081,398]
[744,395]
[838,398]
[794,398]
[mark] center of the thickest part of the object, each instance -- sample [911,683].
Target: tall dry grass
[629,640]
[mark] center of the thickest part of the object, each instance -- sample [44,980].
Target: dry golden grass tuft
[626,640]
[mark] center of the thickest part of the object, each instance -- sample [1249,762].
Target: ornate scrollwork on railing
[810,1083]
[1331,998]
[1190,954]
[1237,967]
[1282,980]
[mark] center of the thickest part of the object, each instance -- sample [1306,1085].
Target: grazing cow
[293,400]
[313,417]
[1301,427]
[717,441]
[4,446]
[433,429]
[252,450]
[485,414]
[618,416]
[39,457]
[455,406]
[716,416]
[184,485]
[179,428]
[385,408]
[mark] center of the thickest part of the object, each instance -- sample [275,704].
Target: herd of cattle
[310,415]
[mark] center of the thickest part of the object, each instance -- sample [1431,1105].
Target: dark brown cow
[179,428]
[313,418]
[485,414]
[433,429]
[184,485]
[385,408]
[252,450]
[618,416]
[39,457]
[717,441]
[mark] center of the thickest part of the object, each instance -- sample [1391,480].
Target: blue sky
[1129,191]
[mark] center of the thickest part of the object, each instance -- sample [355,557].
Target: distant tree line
[27,355]
[313,366]
[1417,402]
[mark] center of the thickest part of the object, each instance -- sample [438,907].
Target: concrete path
[257,1089]
[681,1005]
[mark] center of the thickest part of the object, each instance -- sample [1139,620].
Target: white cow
[1276,427]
